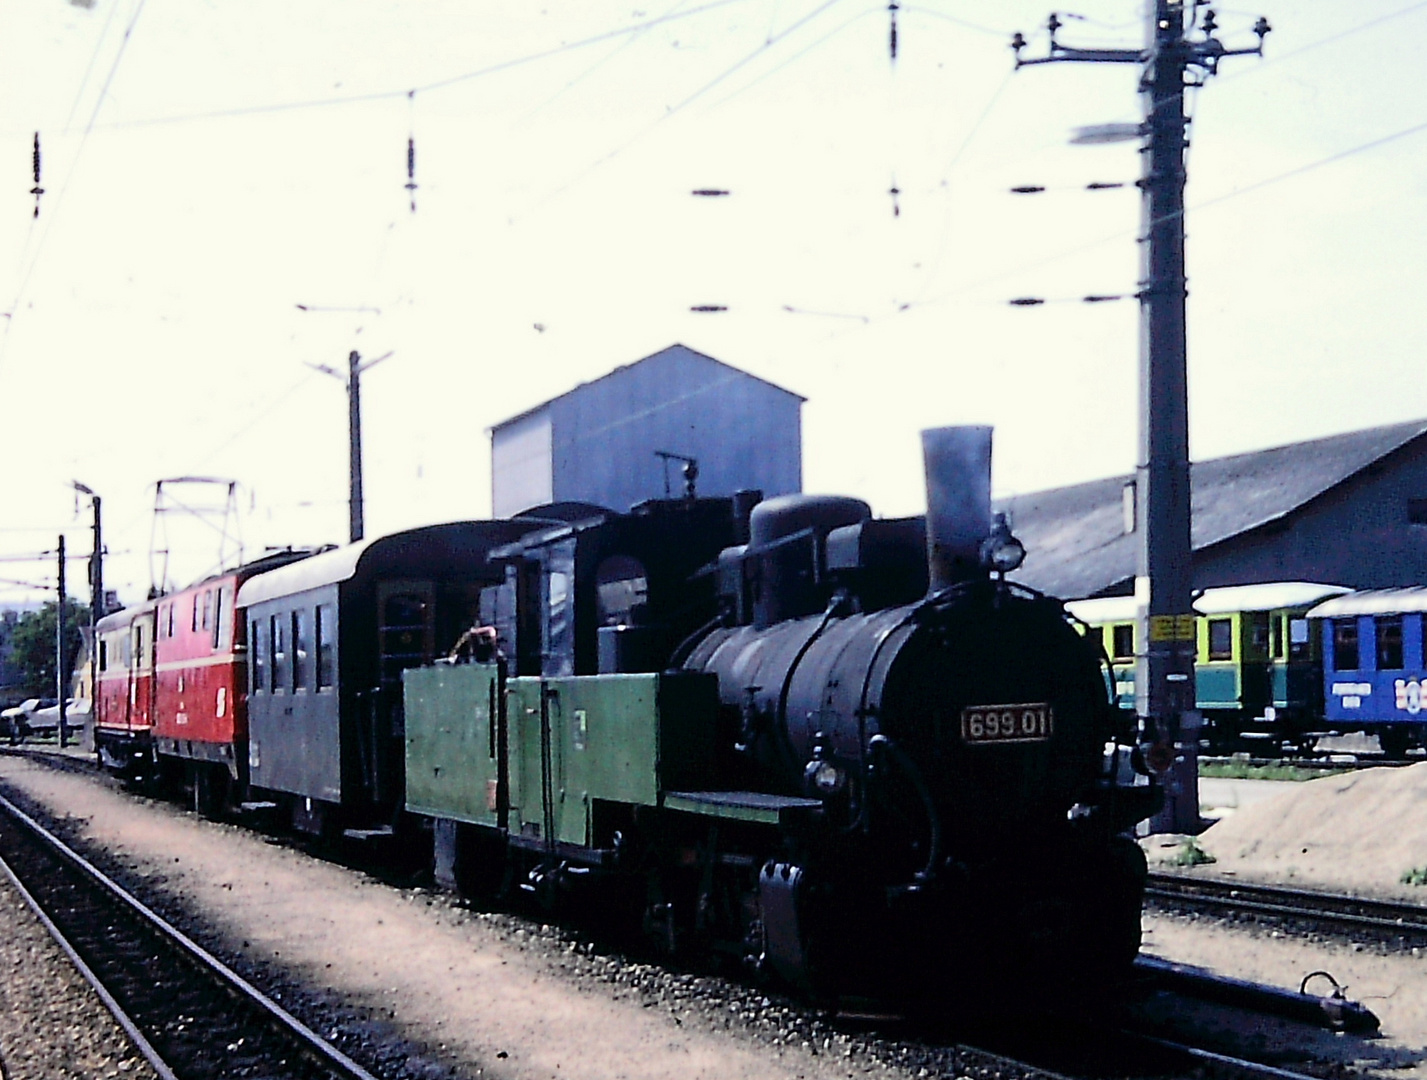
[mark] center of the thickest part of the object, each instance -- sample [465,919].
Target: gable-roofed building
[1349,509]
[600,443]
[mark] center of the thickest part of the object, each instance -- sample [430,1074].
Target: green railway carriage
[1257,669]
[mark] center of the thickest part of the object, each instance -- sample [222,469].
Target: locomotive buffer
[1169,62]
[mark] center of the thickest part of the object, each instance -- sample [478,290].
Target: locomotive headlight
[1008,556]
[1001,551]
[827,779]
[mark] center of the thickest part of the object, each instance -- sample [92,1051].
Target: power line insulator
[1027,189]
[1026,301]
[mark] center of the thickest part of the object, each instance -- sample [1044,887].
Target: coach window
[207,609]
[1221,639]
[1258,633]
[282,674]
[1345,644]
[260,657]
[1275,637]
[623,590]
[1389,643]
[301,650]
[218,605]
[1124,641]
[1095,635]
[323,640]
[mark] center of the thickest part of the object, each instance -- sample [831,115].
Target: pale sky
[208,167]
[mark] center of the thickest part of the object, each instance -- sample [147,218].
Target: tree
[32,646]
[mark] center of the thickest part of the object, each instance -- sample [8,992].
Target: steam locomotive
[842,749]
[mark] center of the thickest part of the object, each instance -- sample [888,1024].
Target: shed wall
[1357,534]
[520,465]
[599,442]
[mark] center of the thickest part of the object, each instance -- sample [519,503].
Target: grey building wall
[603,436]
[521,464]
[1358,534]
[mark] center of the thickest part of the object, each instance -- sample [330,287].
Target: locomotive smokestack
[958,468]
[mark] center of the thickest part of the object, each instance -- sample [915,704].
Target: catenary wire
[420,88]
[64,187]
[1213,201]
[795,57]
[674,110]
[601,62]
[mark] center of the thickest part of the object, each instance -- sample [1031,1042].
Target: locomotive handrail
[884,744]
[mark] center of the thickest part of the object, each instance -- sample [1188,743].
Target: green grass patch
[1416,876]
[1191,854]
[1242,770]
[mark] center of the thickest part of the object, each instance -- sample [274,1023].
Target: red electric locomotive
[124,694]
[200,721]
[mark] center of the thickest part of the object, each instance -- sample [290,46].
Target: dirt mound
[1357,832]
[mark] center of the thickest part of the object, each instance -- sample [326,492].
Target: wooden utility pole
[1164,683]
[353,381]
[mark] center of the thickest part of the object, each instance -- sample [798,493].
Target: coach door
[406,637]
[141,673]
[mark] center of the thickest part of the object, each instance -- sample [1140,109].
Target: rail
[77,904]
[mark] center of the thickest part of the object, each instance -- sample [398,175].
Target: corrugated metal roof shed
[1076,537]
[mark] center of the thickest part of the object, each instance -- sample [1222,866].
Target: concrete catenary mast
[1169,62]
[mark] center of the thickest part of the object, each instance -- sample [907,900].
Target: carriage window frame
[1347,644]
[301,651]
[1219,639]
[259,653]
[1276,635]
[1122,641]
[1389,643]
[278,653]
[322,641]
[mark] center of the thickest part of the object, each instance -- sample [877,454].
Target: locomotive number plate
[1033,722]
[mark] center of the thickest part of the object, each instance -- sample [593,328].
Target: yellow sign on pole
[1171,627]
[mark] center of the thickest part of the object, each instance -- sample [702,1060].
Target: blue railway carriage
[1374,671]
[1257,668]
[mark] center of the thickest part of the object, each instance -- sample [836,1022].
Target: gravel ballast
[52,1024]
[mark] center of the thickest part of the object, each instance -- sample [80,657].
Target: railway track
[1389,921]
[184,1042]
[187,1013]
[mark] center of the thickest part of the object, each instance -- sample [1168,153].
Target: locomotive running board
[740,805]
[368,834]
